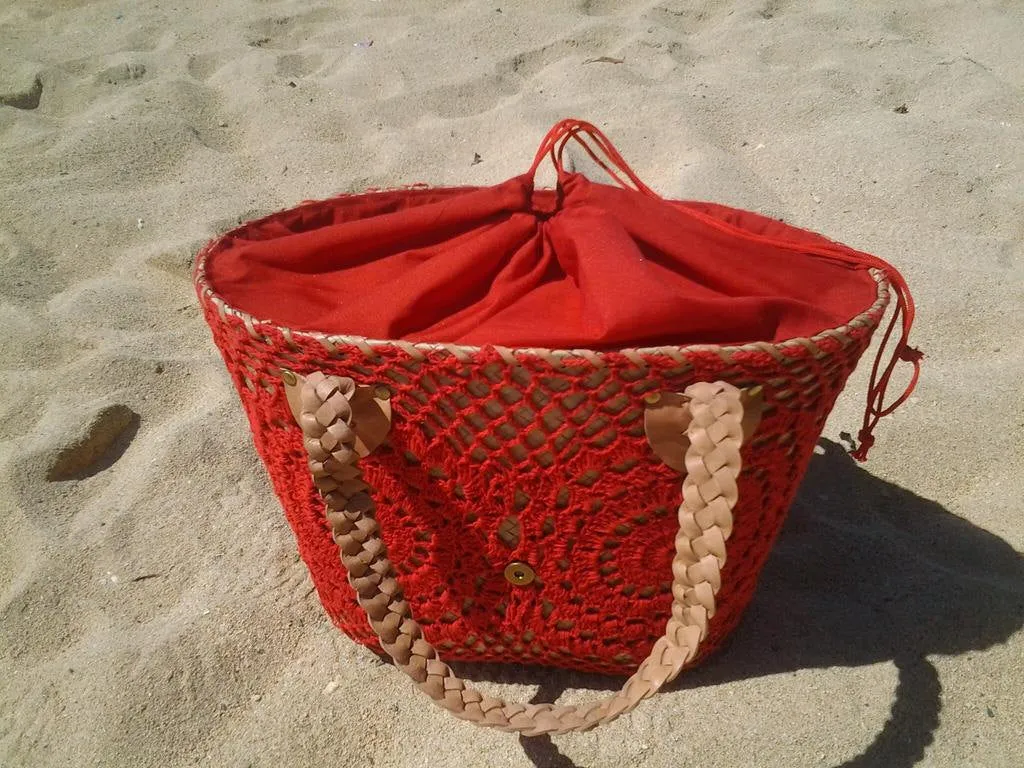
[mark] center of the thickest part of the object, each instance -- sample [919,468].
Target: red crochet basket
[489,398]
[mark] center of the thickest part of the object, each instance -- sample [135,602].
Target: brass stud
[382,393]
[519,574]
[288,377]
[652,398]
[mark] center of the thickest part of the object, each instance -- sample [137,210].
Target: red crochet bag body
[558,427]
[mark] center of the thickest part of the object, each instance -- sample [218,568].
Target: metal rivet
[288,377]
[520,574]
[652,398]
[382,393]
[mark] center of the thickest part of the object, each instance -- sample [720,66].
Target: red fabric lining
[611,268]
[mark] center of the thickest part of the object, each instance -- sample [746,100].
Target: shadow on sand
[863,572]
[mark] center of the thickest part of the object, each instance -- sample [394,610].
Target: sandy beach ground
[153,611]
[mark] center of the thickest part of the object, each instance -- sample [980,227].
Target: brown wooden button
[519,574]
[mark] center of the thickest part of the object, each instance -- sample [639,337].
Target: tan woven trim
[556,358]
[324,408]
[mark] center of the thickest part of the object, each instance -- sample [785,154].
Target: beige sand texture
[153,611]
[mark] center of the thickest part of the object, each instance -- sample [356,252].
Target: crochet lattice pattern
[496,457]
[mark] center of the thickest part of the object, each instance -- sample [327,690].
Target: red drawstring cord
[554,143]
[605,145]
[561,133]
[876,410]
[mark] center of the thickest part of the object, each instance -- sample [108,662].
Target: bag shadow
[863,572]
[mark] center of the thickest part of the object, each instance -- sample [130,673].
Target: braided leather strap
[705,522]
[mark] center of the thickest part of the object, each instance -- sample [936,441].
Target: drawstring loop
[876,409]
[554,143]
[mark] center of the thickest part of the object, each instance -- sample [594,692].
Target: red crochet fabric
[498,455]
[561,452]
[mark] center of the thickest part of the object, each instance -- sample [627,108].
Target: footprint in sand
[203,66]
[599,7]
[289,32]
[97,447]
[121,73]
[483,91]
[21,89]
[297,65]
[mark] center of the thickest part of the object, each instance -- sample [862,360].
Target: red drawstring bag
[496,389]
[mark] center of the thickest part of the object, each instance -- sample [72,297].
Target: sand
[153,611]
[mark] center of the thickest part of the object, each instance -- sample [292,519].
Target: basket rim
[419,350]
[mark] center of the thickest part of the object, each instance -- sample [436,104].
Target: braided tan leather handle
[323,408]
